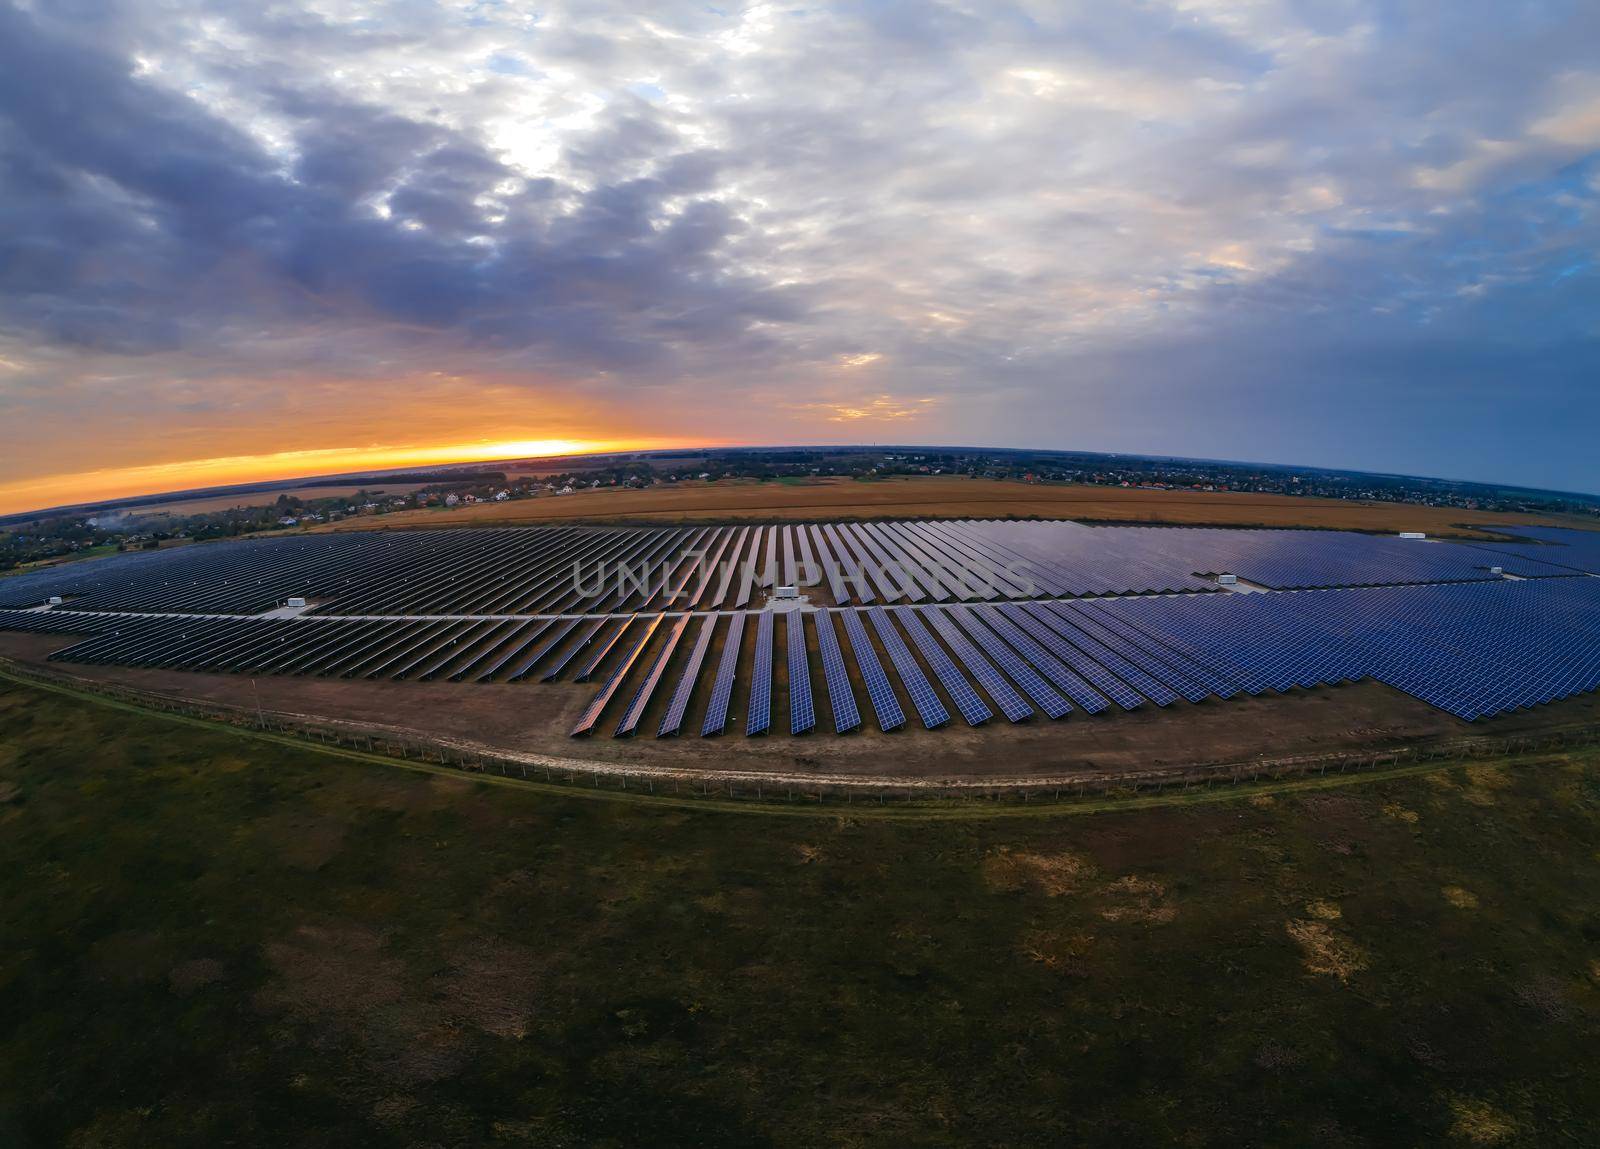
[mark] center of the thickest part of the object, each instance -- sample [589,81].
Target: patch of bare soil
[1064,953]
[1479,1123]
[1324,950]
[1136,899]
[1049,874]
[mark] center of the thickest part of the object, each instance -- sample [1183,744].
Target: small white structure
[56,600]
[1413,534]
[296,601]
[786,592]
[1497,571]
[1228,580]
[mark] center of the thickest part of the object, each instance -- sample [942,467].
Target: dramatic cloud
[1347,233]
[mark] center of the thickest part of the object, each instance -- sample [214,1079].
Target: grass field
[210,939]
[828,498]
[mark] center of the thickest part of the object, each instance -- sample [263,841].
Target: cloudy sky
[242,239]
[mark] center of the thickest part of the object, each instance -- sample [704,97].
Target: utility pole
[261,717]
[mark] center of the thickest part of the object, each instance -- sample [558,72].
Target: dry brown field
[952,497]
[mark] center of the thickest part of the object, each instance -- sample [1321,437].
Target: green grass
[210,939]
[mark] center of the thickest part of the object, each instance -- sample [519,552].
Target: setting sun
[193,474]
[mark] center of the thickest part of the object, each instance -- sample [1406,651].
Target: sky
[253,240]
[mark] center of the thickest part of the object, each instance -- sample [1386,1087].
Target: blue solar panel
[499,605]
[722,689]
[830,566]
[1163,671]
[972,708]
[1045,696]
[758,717]
[854,584]
[1005,696]
[929,708]
[802,712]
[672,720]
[1196,670]
[1111,655]
[1025,617]
[879,691]
[1065,679]
[841,699]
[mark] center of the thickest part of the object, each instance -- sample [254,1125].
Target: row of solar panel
[1473,649]
[552,570]
[982,646]
[1565,547]
[537,570]
[1071,557]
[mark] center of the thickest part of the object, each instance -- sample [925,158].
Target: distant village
[67,536]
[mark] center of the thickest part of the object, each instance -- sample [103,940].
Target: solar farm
[826,629]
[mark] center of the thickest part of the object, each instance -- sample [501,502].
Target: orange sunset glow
[188,474]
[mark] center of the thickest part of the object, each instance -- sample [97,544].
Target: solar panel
[525,665]
[879,691]
[497,605]
[972,661]
[608,687]
[523,642]
[972,708]
[652,675]
[758,717]
[722,688]
[1023,616]
[1062,676]
[602,646]
[672,720]
[802,712]
[835,676]
[929,708]
[1045,696]
[1110,654]
[586,636]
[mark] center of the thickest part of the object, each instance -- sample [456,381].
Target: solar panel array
[1003,631]
[716,719]
[1570,549]
[758,715]
[583,570]
[836,676]
[802,712]
[884,703]
[672,720]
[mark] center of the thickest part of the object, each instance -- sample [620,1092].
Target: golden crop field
[946,496]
